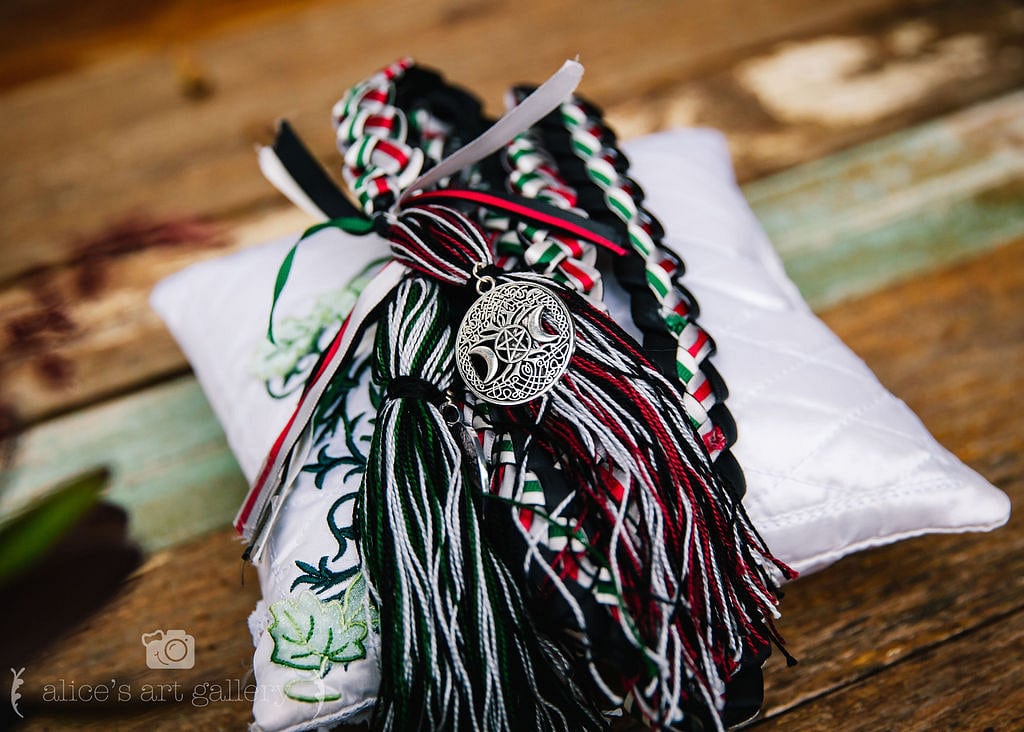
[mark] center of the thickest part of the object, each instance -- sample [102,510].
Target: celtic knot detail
[514,343]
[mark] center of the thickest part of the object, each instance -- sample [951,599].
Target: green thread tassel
[458,649]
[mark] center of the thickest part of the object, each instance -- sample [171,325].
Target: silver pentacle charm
[514,343]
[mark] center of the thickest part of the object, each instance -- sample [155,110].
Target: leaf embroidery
[343,534]
[321,577]
[283,366]
[312,635]
[334,411]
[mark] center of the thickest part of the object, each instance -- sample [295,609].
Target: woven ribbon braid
[593,143]
[635,531]
[373,136]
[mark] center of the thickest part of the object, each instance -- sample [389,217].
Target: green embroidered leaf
[311,691]
[310,634]
[321,578]
[356,603]
[295,343]
[348,647]
[343,534]
[325,464]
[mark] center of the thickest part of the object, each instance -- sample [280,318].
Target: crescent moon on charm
[490,360]
[536,328]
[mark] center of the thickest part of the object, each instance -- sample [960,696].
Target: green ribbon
[349,224]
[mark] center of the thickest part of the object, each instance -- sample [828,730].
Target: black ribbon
[413,387]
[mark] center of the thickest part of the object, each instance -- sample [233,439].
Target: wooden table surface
[127,147]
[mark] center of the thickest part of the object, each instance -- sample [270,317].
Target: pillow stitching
[808,358]
[804,515]
[823,559]
[831,432]
[833,487]
[821,408]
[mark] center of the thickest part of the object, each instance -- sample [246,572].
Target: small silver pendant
[514,343]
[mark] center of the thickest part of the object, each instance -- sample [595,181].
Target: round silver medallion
[514,343]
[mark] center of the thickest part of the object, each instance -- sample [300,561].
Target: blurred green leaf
[26,536]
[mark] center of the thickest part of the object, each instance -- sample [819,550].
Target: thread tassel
[458,648]
[693,587]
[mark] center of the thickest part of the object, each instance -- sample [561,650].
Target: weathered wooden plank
[70,336]
[805,98]
[886,209]
[40,40]
[854,626]
[173,471]
[199,589]
[83,150]
[970,683]
[74,335]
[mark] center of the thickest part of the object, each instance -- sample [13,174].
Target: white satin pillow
[834,463]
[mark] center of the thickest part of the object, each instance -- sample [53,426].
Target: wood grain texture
[927,196]
[927,611]
[804,98]
[199,589]
[172,469]
[894,208]
[75,334]
[86,149]
[967,683]
[40,39]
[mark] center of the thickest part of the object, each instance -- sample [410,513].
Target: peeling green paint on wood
[172,469]
[883,211]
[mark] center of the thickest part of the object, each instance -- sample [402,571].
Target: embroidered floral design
[284,366]
[313,635]
[321,577]
[328,619]
[332,412]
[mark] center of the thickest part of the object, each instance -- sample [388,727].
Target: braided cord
[594,144]
[448,602]
[459,650]
[648,529]
[568,260]
[377,139]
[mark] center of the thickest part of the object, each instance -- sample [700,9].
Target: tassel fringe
[694,585]
[458,648]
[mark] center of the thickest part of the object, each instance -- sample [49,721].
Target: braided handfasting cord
[694,585]
[534,172]
[663,308]
[748,539]
[361,117]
